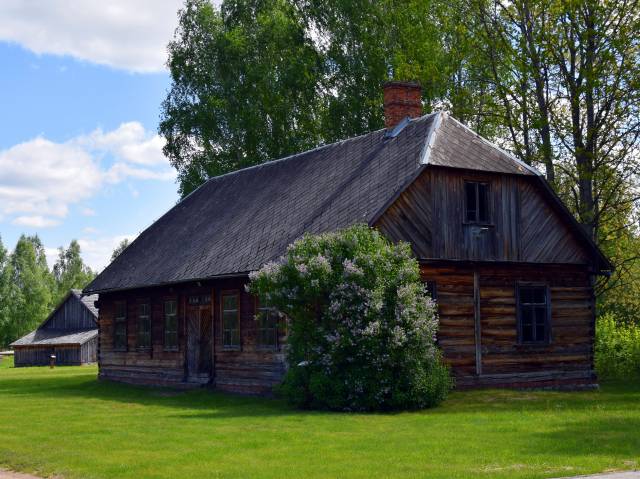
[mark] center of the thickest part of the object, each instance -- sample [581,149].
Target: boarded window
[230,320]
[533,314]
[120,326]
[171,325]
[267,327]
[476,202]
[144,325]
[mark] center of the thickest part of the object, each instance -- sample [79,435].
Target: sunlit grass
[63,421]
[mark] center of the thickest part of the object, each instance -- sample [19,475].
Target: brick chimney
[401,99]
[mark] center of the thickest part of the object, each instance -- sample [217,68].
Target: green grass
[65,422]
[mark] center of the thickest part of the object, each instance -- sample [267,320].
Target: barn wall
[248,369]
[40,355]
[72,314]
[566,360]
[524,226]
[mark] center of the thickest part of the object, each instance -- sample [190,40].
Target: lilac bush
[361,328]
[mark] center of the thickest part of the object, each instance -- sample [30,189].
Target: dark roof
[236,222]
[52,337]
[66,336]
[88,300]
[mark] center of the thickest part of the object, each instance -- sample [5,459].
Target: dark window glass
[171,325]
[230,321]
[471,204]
[267,327]
[144,325]
[432,290]
[120,326]
[533,314]
[476,202]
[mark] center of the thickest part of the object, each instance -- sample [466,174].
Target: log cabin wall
[497,357]
[248,368]
[476,268]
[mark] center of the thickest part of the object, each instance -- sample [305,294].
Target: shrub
[361,328]
[617,352]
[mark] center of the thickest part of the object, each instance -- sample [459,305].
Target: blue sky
[80,100]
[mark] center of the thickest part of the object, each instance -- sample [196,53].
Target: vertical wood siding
[72,314]
[523,226]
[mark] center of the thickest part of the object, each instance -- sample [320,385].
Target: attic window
[476,202]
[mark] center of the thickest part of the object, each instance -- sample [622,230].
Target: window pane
[170,325]
[526,295]
[483,202]
[230,320]
[470,194]
[121,310]
[230,302]
[533,312]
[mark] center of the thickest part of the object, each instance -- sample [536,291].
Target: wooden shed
[70,333]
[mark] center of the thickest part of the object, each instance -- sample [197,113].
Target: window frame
[547,323]
[264,346]
[230,347]
[140,303]
[477,220]
[165,330]
[120,321]
[431,288]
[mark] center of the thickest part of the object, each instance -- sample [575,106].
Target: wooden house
[511,269]
[70,333]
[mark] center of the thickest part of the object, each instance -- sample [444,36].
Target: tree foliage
[557,83]
[120,248]
[361,331]
[29,290]
[69,271]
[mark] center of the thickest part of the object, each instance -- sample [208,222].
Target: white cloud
[35,221]
[39,179]
[97,252]
[125,34]
[89,230]
[87,212]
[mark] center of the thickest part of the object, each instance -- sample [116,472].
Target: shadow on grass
[88,387]
[205,403]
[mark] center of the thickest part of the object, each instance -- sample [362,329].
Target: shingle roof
[88,301]
[236,222]
[50,337]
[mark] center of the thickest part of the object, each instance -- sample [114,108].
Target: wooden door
[199,338]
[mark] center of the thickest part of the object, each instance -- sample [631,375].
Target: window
[533,314]
[230,321]
[120,326]
[430,286]
[171,325]
[476,202]
[144,326]
[267,327]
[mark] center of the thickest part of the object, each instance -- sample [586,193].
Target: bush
[361,328]
[617,354]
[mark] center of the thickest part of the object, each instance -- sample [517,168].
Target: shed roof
[236,222]
[52,337]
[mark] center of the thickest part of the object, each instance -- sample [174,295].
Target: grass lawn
[65,422]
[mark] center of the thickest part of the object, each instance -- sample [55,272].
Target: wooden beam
[476,317]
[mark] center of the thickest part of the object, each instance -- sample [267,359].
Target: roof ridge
[294,155]
[509,155]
